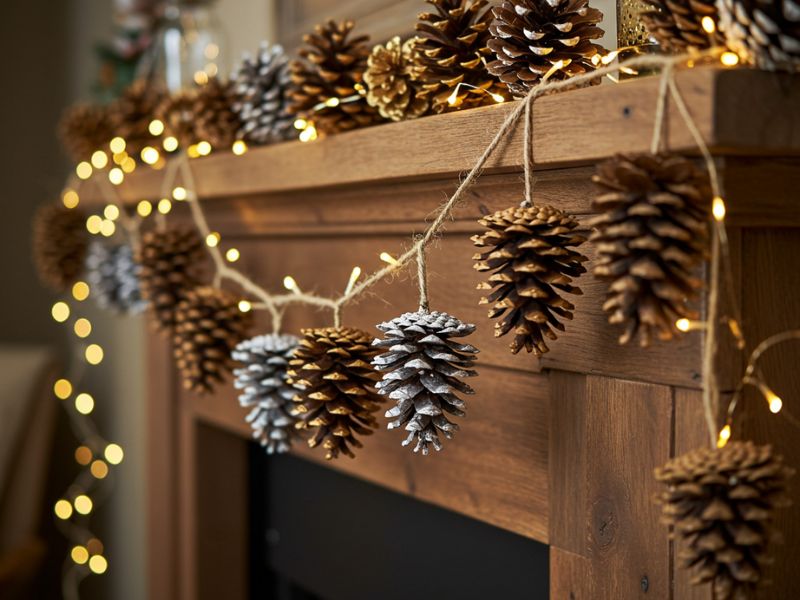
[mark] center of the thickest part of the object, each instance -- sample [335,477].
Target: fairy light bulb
[98,564]
[308,134]
[99,469]
[93,223]
[63,509]
[111,211]
[83,170]
[354,275]
[94,354]
[84,403]
[70,198]
[683,325]
[708,25]
[245,306]
[332,102]
[80,290]
[83,455]
[128,165]
[232,255]
[170,143]
[389,259]
[497,98]
[144,208]
[150,155]
[82,328]
[116,176]
[107,228]
[192,152]
[212,239]
[453,98]
[79,555]
[180,193]
[203,148]
[99,159]
[114,454]
[83,504]
[729,59]
[60,312]
[117,145]
[156,127]
[290,284]
[62,388]
[239,147]
[164,206]
[724,436]
[718,208]
[300,124]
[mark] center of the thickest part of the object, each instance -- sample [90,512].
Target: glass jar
[631,32]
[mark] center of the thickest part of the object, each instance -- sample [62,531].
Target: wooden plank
[761,192]
[607,436]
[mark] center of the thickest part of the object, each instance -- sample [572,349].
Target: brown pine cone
[528,251]
[721,503]
[763,32]
[330,68]
[177,114]
[651,238]
[132,113]
[530,36]
[84,128]
[208,325]
[60,240]
[392,80]
[336,398]
[454,51]
[169,262]
[677,24]
[215,120]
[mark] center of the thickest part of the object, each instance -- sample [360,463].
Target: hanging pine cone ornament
[392,80]
[169,263]
[336,399]
[261,85]
[677,25]
[84,128]
[452,55]
[651,237]
[113,277]
[264,389]
[529,252]
[765,33]
[132,113]
[177,113]
[422,368]
[59,245]
[325,80]
[208,326]
[720,503]
[529,37]
[215,120]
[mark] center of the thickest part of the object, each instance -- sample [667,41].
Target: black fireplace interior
[321,535]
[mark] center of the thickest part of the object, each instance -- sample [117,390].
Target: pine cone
[132,113]
[677,24]
[169,263]
[177,114]
[453,51]
[84,128]
[113,276]
[651,236]
[265,390]
[332,65]
[530,36]
[720,503]
[208,325]
[59,245]
[422,366]
[392,80]
[528,251]
[763,32]
[215,120]
[335,398]
[261,86]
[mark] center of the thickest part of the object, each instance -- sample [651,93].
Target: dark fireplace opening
[317,534]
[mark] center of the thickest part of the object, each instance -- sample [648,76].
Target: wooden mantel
[559,450]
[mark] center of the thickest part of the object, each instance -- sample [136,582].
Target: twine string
[422,279]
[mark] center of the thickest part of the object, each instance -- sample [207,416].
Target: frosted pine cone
[422,366]
[264,388]
[113,277]
[763,32]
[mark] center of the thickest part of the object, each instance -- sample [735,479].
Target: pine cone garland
[453,51]
[529,252]
[651,237]
[169,262]
[422,366]
[529,37]
[59,245]
[265,390]
[331,66]
[113,277]
[334,379]
[720,503]
[677,24]
[392,80]
[132,113]
[84,128]
[208,325]
[215,120]
[261,86]
[177,113]
[763,32]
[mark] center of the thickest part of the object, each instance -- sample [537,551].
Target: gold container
[631,31]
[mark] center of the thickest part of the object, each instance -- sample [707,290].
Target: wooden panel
[607,436]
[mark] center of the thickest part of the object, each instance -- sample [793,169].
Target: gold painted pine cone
[677,25]
[60,241]
[336,396]
[392,80]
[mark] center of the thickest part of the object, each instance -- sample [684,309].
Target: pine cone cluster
[331,67]
[529,37]
[763,32]
[529,252]
[452,55]
[113,276]
[721,503]
[651,237]
[264,388]
[392,80]
[176,111]
[261,86]
[59,245]
[132,113]
[335,398]
[215,120]
[677,24]
[169,262]
[84,128]
[208,325]
[422,368]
